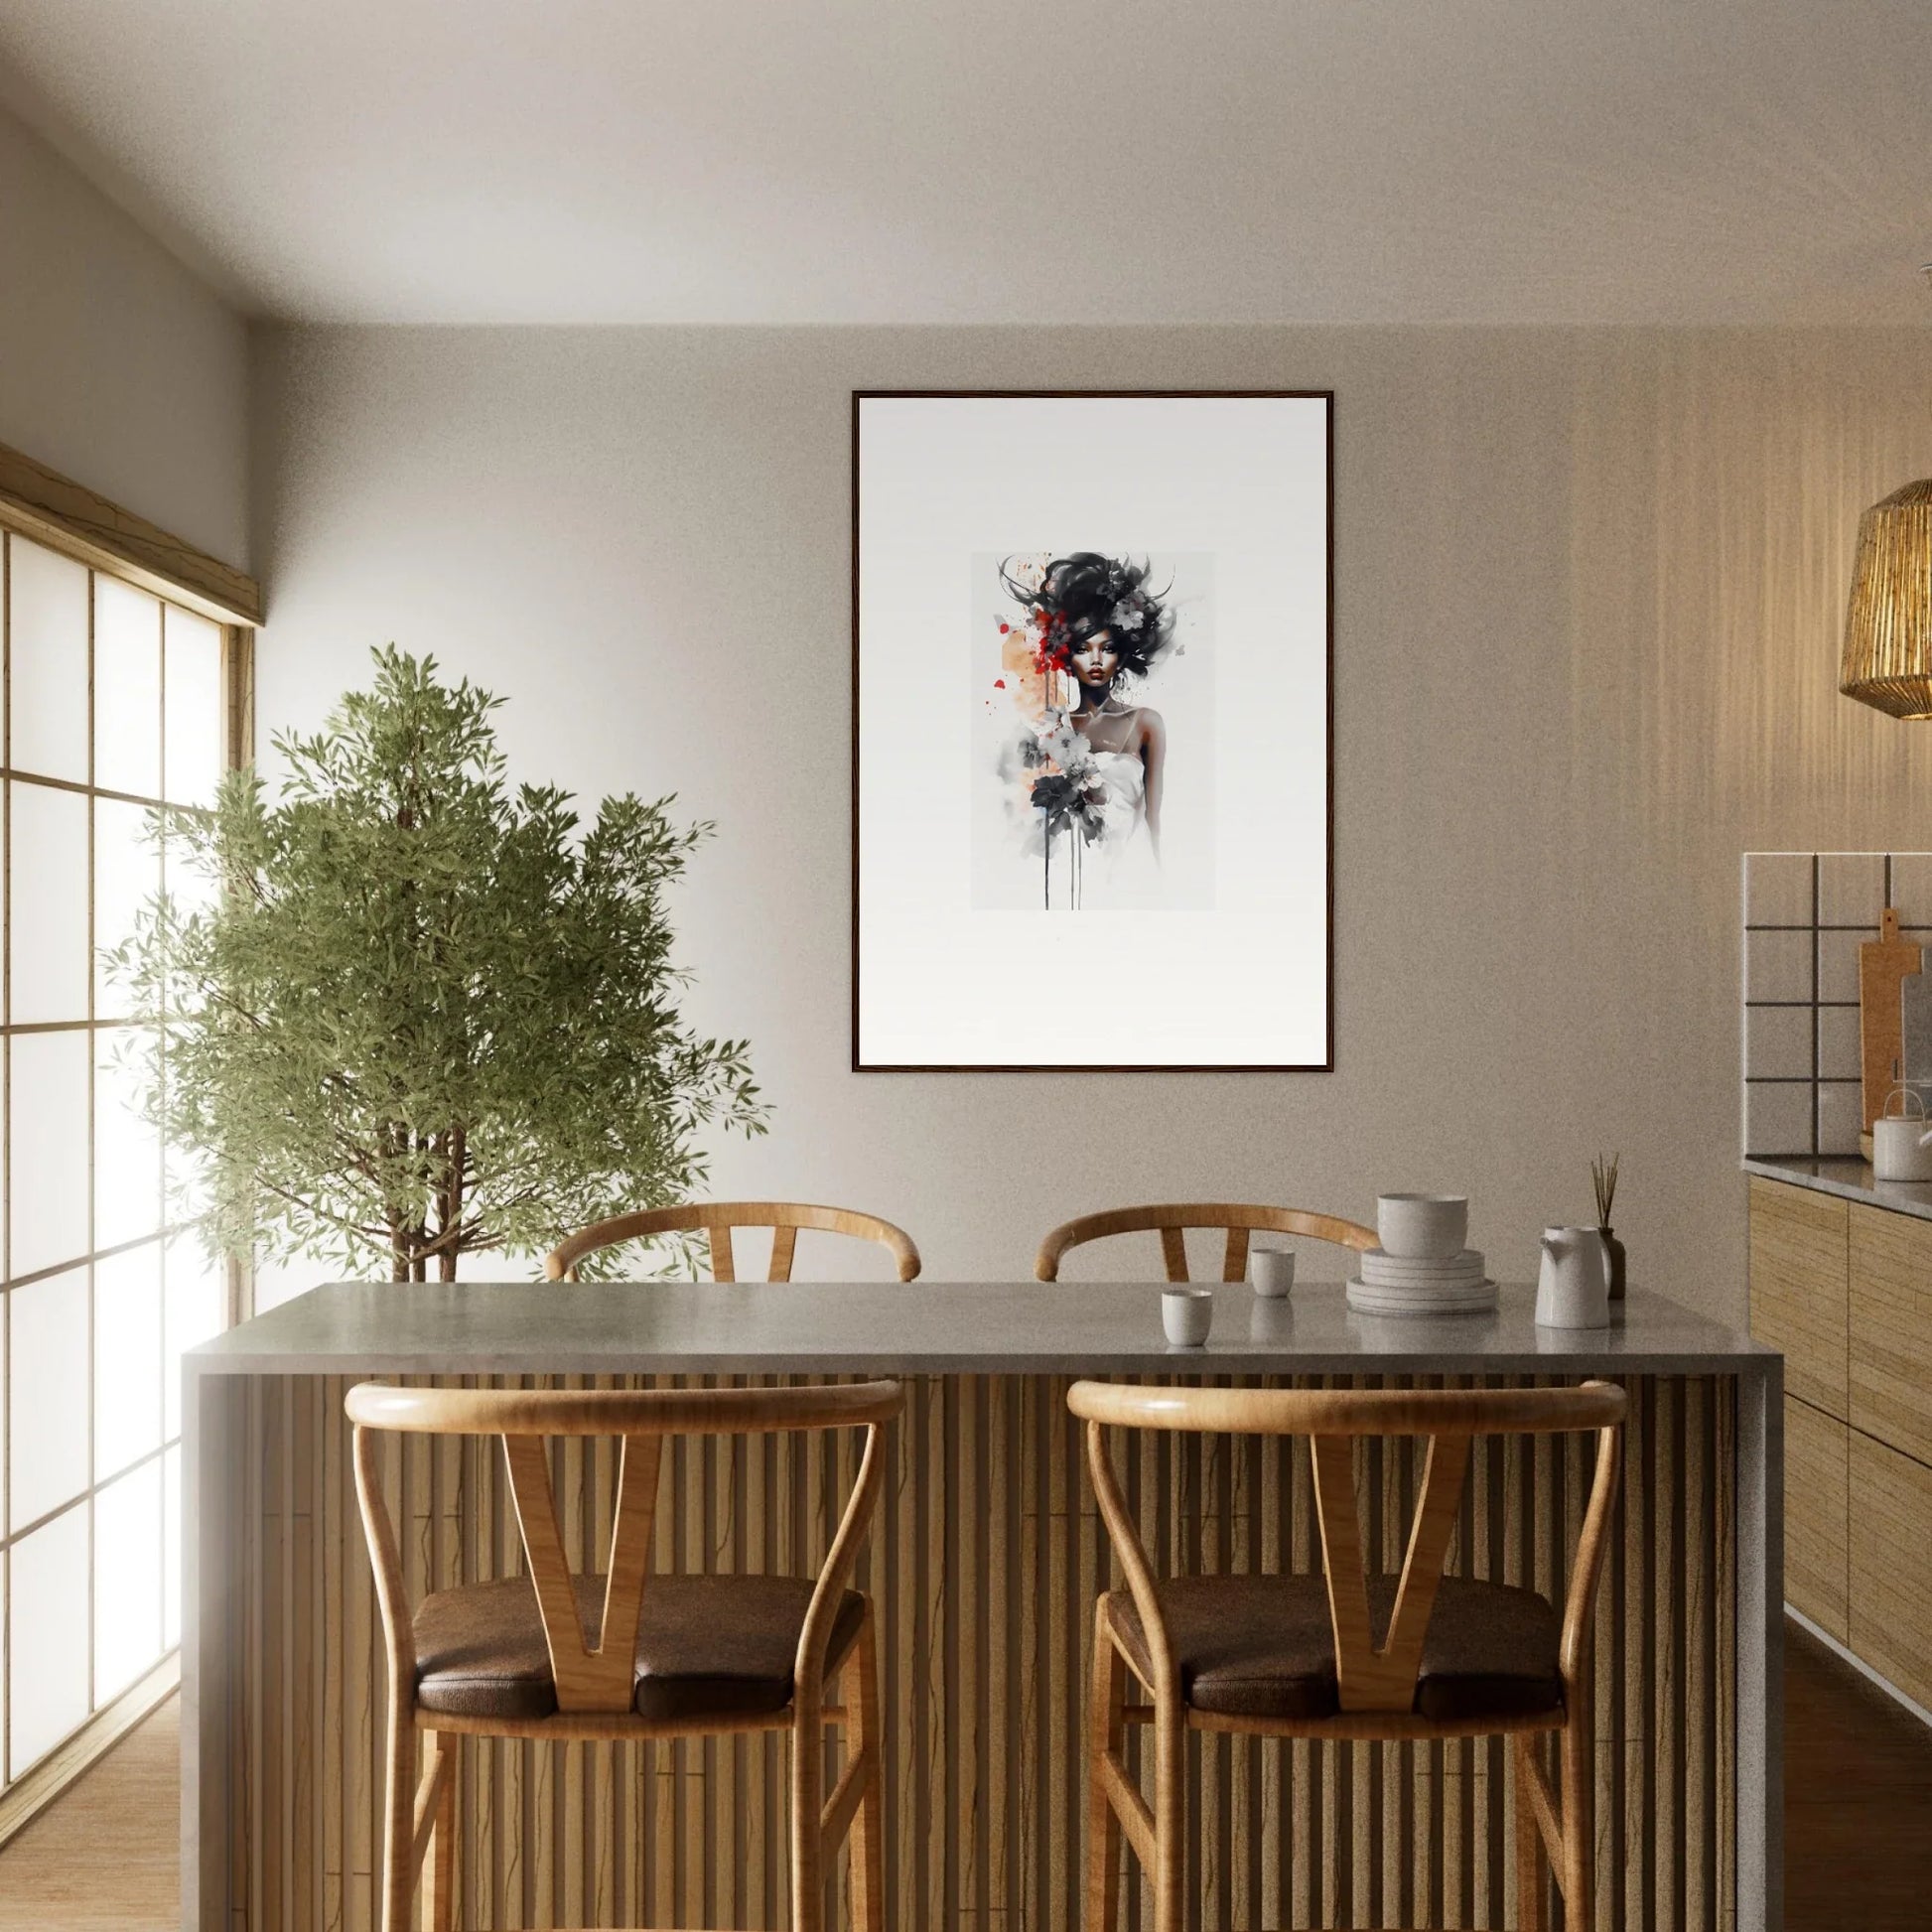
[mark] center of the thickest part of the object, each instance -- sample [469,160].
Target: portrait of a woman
[1090,628]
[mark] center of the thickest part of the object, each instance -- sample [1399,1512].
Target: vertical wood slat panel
[984,1558]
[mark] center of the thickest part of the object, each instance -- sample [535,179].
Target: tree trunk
[453,1153]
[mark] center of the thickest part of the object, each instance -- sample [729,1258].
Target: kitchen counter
[933,1328]
[1850,1179]
[984,1558]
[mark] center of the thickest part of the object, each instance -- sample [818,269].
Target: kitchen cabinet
[1817,1450]
[1892,1329]
[1841,1280]
[1799,1289]
[1891,1565]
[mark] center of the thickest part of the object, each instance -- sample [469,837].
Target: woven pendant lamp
[1887,658]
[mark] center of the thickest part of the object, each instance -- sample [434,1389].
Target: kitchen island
[985,1557]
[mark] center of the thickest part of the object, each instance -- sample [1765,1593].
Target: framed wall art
[1092,663]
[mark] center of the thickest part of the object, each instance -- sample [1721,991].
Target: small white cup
[1272,1270]
[1423,1227]
[1188,1314]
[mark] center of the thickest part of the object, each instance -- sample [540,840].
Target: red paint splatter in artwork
[999,684]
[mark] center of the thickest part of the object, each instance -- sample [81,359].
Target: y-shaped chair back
[1173,1218]
[717,1218]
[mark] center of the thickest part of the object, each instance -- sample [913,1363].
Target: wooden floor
[1857,1820]
[106,1856]
[1857,1810]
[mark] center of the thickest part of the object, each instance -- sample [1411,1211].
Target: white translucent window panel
[196,1307]
[47,1664]
[190,887]
[48,670]
[171,1549]
[127,1150]
[128,1526]
[46,1462]
[195,710]
[127,688]
[127,1359]
[185,1171]
[46,833]
[127,874]
[46,1149]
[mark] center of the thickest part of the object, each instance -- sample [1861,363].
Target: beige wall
[1588,589]
[117,365]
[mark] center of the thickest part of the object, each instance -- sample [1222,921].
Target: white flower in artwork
[1067,748]
[1127,616]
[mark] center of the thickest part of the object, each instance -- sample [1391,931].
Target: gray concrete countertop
[1849,1180]
[931,1329]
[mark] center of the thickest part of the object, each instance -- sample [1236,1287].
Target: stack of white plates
[1422,1285]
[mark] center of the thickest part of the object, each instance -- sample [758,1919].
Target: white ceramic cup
[1272,1270]
[1188,1314]
[1423,1227]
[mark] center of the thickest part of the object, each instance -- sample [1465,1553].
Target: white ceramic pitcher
[1901,1143]
[1574,1288]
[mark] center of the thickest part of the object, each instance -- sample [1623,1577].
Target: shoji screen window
[115,701]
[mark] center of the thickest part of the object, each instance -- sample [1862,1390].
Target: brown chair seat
[1263,1647]
[708,1647]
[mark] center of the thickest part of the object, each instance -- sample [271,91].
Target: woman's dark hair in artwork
[1086,592]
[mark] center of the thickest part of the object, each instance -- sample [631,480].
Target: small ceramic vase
[1615,1249]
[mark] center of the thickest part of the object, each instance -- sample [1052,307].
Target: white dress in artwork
[1102,859]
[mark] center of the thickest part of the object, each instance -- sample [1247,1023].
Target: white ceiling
[1009,161]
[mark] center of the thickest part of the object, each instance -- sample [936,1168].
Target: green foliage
[419,1015]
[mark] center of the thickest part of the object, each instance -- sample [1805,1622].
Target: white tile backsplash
[1806,914]
[1777,888]
[1912,888]
[1777,966]
[1777,1042]
[1841,1116]
[1838,1043]
[1837,963]
[1850,888]
[1778,1118]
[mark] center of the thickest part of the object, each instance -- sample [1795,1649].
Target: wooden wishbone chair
[1300,1656]
[627,1654]
[1173,1218]
[717,1217]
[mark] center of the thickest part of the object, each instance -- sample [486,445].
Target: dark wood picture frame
[1328,398]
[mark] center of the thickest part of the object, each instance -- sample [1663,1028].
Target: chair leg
[860,1693]
[1106,1735]
[807,1806]
[399,1821]
[1531,1887]
[1576,1743]
[1170,1812]
[439,1901]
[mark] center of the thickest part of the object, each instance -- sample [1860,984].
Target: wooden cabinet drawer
[1815,1501]
[1891,1565]
[1892,1329]
[1799,1289]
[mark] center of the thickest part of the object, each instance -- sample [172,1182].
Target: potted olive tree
[415,1014]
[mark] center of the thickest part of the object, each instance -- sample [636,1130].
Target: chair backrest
[1173,1218]
[1372,1675]
[596,1676]
[717,1218]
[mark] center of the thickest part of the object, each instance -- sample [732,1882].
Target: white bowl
[1423,1225]
[1188,1314]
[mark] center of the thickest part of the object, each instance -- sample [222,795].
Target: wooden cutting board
[1884,964]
